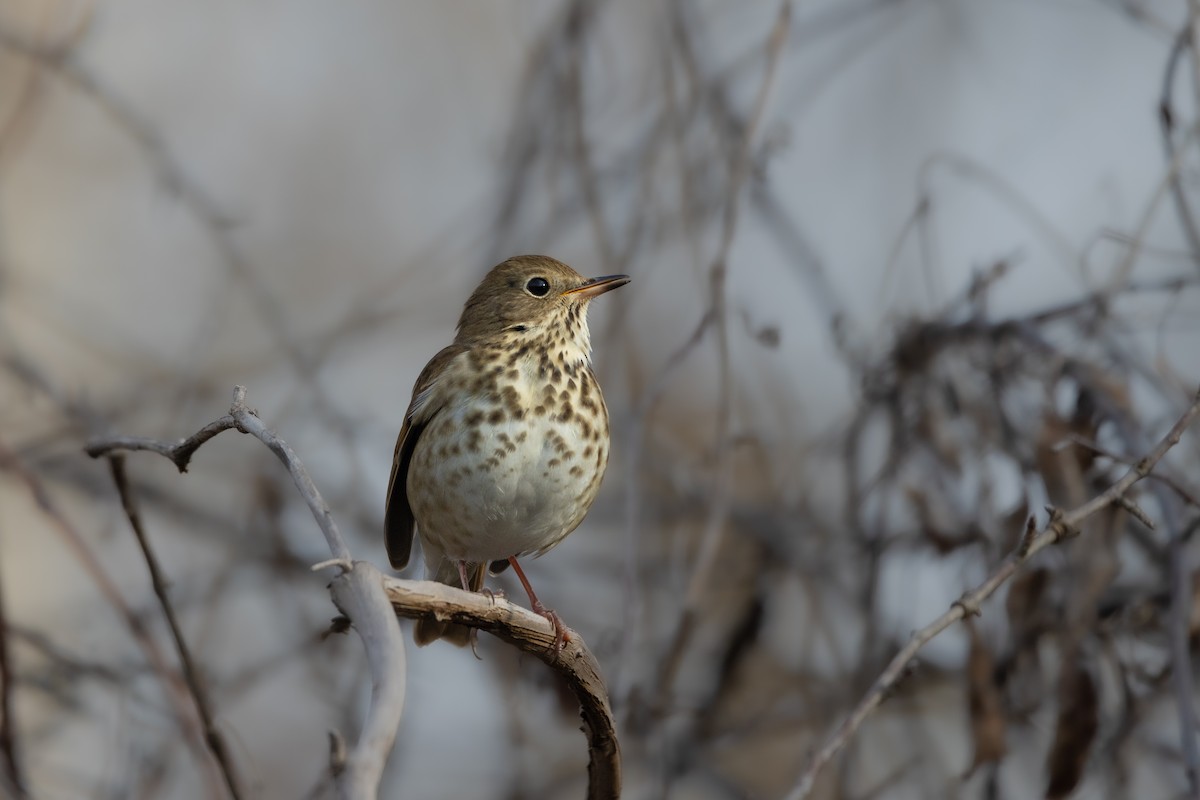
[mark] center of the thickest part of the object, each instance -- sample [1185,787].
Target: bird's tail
[428,630]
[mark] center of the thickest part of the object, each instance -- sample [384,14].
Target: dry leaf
[988,723]
[1078,719]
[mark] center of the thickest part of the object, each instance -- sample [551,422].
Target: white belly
[511,488]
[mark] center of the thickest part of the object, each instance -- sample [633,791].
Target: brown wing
[398,520]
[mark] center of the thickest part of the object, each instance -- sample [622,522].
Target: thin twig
[1061,526]
[1166,119]
[212,736]
[180,453]
[357,591]
[1179,634]
[711,537]
[535,635]
[13,777]
[108,588]
[1166,480]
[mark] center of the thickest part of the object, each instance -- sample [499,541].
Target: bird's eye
[537,287]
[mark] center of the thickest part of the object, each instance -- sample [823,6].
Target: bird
[506,439]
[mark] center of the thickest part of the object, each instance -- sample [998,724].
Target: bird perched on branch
[505,441]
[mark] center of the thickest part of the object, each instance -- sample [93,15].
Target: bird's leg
[561,636]
[466,583]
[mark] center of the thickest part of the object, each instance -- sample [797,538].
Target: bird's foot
[493,594]
[561,634]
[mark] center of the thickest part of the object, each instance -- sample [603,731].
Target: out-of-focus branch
[710,538]
[357,592]
[112,595]
[535,635]
[1062,525]
[12,779]
[212,736]
[1166,119]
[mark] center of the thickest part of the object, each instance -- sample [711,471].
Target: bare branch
[1062,525]
[712,535]
[535,635]
[358,592]
[179,453]
[9,760]
[212,736]
[108,588]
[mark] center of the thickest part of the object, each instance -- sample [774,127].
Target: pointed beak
[597,286]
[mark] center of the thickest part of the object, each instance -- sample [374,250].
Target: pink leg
[561,636]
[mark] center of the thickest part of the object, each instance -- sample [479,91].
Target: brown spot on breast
[473,419]
[587,451]
[576,471]
[496,417]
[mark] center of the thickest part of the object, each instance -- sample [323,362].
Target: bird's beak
[597,286]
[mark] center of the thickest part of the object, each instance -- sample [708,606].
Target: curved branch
[535,635]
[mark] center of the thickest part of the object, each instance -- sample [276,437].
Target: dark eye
[537,287]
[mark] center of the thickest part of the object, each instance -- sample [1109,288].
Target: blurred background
[905,272]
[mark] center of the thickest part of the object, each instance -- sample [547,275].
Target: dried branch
[357,592]
[179,453]
[1166,118]
[212,736]
[108,588]
[535,635]
[717,316]
[1062,525]
[9,761]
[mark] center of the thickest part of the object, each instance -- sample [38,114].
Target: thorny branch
[1061,526]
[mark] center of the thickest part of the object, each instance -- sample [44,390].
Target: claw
[561,637]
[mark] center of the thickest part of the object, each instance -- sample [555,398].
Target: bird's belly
[494,489]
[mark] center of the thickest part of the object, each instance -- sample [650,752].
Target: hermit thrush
[506,439]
